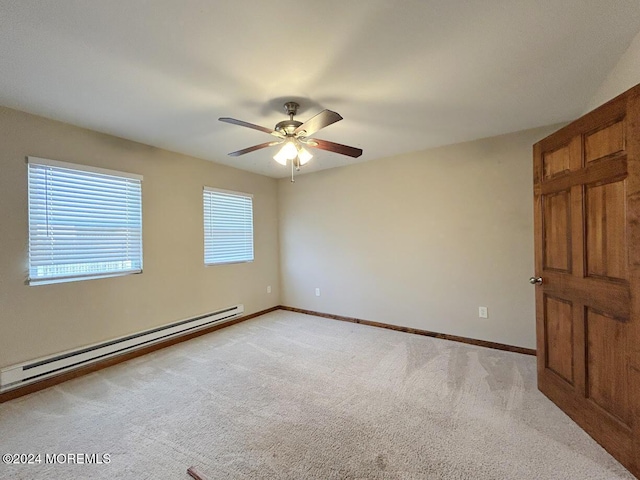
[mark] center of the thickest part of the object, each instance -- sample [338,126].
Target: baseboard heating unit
[24,373]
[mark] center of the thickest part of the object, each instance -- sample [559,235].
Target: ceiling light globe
[289,150]
[304,156]
[281,157]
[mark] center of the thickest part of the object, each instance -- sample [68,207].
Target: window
[228,227]
[84,222]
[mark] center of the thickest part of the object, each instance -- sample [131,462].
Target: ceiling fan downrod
[287,128]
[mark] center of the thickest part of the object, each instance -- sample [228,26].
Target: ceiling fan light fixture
[280,158]
[303,155]
[287,152]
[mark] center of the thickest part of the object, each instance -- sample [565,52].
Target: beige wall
[420,240]
[45,319]
[625,74]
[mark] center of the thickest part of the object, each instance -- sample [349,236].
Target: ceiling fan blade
[233,121]
[321,120]
[335,147]
[254,148]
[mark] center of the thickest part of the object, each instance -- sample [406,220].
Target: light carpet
[293,396]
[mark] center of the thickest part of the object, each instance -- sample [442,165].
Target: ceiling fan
[295,136]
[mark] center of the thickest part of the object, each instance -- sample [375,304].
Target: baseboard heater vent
[29,372]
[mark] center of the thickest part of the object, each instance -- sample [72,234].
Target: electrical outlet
[317,292]
[268,288]
[483,312]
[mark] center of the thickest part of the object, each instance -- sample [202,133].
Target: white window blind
[84,222]
[228,226]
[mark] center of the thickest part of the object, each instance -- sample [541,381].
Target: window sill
[50,281]
[227,263]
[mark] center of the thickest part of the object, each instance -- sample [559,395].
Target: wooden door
[587,249]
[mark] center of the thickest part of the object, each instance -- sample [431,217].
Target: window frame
[79,169]
[212,191]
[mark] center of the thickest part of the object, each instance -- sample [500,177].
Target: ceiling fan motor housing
[287,127]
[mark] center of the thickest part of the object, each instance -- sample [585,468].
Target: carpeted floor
[292,396]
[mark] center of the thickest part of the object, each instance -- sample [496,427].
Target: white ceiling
[405,74]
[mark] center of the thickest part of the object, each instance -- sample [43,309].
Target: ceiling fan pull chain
[292,180]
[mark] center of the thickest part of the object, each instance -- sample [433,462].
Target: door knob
[535,280]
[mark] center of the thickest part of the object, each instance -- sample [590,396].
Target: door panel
[557,236]
[604,142]
[559,337]
[587,237]
[556,162]
[606,364]
[606,231]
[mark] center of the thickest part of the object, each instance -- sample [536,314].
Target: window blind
[228,226]
[83,222]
